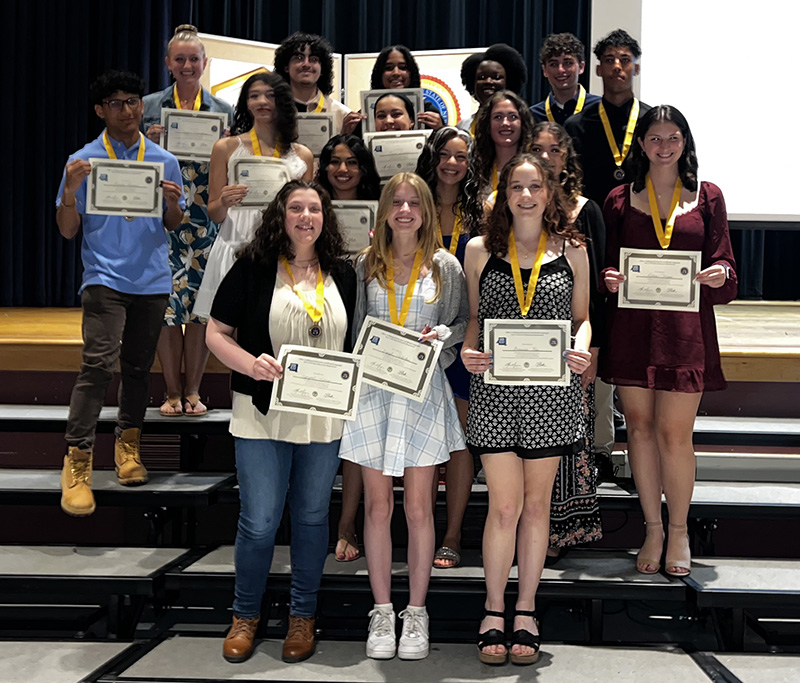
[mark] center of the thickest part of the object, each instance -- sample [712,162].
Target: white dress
[392,432]
[236,230]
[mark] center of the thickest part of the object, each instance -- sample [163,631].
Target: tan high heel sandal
[642,562]
[672,566]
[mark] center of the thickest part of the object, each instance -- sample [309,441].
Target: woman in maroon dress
[663,361]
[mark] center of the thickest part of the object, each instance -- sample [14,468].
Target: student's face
[526,192]
[506,125]
[261,102]
[406,213]
[617,68]
[121,118]
[396,73]
[304,68]
[546,146]
[489,78]
[453,161]
[304,220]
[391,114]
[562,71]
[344,173]
[663,144]
[186,62]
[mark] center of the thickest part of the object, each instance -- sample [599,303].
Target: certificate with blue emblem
[119,187]
[527,352]
[660,279]
[264,177]
[190,135]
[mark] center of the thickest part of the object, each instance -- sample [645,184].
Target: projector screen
[727,65]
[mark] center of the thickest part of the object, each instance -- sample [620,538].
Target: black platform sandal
[494,636]
[526,638]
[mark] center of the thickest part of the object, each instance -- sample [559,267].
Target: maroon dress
[667,350]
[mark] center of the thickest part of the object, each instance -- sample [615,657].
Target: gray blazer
[452,304]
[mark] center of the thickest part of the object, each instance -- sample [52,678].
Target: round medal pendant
[315,330]
[619,174]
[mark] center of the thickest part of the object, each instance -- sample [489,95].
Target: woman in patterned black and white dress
[521,432]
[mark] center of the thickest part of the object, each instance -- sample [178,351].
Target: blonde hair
[186,33]
[377,256]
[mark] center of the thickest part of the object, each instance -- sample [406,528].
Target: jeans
[267,469]
[116,327]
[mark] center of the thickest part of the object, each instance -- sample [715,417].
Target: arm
[718,261]
[613,215]
[305,154]
[173,194]
[68,218]
[453,300]
[579,358]
[475,257]
[220,340]
[222,196]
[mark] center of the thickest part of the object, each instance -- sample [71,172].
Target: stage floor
[759,341]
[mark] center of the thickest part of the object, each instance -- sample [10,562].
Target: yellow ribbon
[494,178]
[578,106]
[664,235]
[320,104]
[525,298]
[412,280]
[315,311]
[112,154]
[276,154]
[472,125]
[619,155]
[197,100]
[456,232]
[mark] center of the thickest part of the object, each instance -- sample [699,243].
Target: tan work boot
[299,643]
[130,470]
[76,483]
[239,643]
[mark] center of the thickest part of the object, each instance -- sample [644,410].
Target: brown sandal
[193,400]
[174,403]
[349,540]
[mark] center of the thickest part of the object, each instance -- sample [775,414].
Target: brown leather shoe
[127,459]
[77,498]
[299,643]
[239,645]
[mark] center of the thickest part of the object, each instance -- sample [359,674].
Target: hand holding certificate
[395,359]
[317,382]
[190,135]
[527,352]
[396,151]
[117,187]
[263,176]
[659,279]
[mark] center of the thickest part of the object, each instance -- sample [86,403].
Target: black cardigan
[243,301]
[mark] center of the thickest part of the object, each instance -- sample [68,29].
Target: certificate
[527,352]
[395,359]
[396,151]
[317,382]
[370,97]
[314,130]
[659,279]
[356,222]
[265,176]
[190,134]
[117,187]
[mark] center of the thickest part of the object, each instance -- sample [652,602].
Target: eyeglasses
[117,105]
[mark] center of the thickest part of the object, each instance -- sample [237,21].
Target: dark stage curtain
[57,48]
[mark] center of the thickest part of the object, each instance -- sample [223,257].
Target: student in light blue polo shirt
[126,284]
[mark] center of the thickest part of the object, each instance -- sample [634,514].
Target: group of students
[500,221]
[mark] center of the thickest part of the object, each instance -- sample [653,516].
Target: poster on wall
[440,76]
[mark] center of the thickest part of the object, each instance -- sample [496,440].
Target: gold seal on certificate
[116,187]
[395,359]
[356,222]
[370,97]
[659,279]
[264,176]
[190,135]
[396,151]
[317,382]
[314,130]
[527,352]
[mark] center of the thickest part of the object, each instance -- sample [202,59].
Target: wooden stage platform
[759,341]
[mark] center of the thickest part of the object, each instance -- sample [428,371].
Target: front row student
[124,292]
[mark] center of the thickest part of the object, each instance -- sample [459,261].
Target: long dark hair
[556,218]
[271,241]
[687,164]
[428,162]
[286,124]
[572,175]
[369,187]
[376,79]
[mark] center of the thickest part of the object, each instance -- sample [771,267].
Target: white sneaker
[414,642]
[381,641]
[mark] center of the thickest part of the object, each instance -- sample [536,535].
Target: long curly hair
[428,162]
[376,79]
[572,176]
[556,218]
[687,164]
[377,256]
[318,47]
[286,126]
[271,241]
[369,187]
